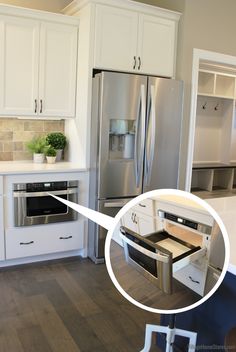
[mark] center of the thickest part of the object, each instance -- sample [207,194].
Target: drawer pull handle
[65,238]
[142,205]
[26,243]
[195,281]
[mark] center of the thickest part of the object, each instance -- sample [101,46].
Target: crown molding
[76,5]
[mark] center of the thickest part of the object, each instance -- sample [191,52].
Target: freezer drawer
[158,255]
[97,234]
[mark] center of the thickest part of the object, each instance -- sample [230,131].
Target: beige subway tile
[36,126]
[22,156]
[6,156]
[6,135]
[54,126]
[1,146]
[8,146]
[18,146]
[12,125]
[26,136]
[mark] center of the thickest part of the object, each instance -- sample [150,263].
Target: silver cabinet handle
[135,62]
[35,106]
[65,238]
[135,219]
[142,205]
[41,106]
[26,243]
[157,256]
[132,217]
[195,281]
[139,63]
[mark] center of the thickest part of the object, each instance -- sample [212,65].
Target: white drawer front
[44,239]
[192,277]
[145,207]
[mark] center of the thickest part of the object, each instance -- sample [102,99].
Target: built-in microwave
[160,254]
[34,206]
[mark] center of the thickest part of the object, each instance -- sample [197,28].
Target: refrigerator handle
[151,132]
[140,137]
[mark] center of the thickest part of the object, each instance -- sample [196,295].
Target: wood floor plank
[9,341]
[33,339]
[52,326]
[67,306]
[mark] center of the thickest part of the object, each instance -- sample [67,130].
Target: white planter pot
[51,159]
[59,154]
[38,158]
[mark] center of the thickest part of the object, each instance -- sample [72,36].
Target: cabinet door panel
[2,242]
[129,221]
[19,52]
[57,82]
[146,225]
[116,38]
[156,45]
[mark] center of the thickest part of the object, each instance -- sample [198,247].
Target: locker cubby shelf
[210,181]
[216,84]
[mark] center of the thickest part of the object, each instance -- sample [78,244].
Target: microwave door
[163,133]
[152,261]
[122,113]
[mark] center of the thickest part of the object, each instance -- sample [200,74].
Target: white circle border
[156,193]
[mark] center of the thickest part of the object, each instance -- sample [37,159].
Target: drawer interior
[179,248]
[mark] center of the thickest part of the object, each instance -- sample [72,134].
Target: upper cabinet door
[19,53]
[57,79]
[115,38]
[156,46]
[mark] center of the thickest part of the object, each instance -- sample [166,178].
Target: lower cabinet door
[44,239]
[130,221]
[2,256]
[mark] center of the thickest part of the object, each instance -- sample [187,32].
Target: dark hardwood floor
[67,306]
[143,290]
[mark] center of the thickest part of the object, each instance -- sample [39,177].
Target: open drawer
[159,255]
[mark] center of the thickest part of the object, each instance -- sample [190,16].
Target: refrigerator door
[97,234]
[163,133]
[122,115]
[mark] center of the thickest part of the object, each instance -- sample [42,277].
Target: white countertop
[226,208]
[21,167]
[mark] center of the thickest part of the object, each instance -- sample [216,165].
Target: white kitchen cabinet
[19,60]
[156,45]
[140,218]
[129,221]
[37,65]
[132,41]
[57,79]
[115,38]
[31,241]
[2,242]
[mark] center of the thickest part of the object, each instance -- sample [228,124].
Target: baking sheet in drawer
[174,247]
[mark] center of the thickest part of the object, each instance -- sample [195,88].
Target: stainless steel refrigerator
[135,142]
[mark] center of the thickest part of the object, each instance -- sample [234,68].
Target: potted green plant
[50,154]
[37,147]
[58,141]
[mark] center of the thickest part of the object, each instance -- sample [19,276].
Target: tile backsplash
[15,133]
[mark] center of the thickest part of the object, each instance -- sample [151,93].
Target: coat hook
[217,107]
[204,106]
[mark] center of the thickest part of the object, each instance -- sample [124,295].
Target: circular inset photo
[168,251]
